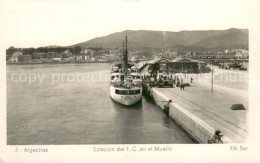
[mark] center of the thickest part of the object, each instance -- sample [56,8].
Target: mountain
[230,37]
[52,46]
[206,39]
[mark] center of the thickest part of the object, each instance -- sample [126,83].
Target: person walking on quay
[182,86]
[191,79]
[178,82]
[166,108]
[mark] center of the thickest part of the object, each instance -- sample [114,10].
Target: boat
[125,81]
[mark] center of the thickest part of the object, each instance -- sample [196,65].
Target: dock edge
[195,127]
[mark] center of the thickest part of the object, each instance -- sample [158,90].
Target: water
[70,104]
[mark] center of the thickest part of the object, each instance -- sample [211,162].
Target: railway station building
[179,65]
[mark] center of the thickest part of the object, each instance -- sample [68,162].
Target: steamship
[125,81]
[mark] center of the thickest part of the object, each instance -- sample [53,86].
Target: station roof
[177,60]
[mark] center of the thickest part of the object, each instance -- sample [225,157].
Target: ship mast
[126,58]
[122,61]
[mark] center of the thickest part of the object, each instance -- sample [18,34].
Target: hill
[200,39]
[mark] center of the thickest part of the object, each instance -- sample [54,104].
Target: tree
[77,49]
[42,49]
[28,51]
[11,50]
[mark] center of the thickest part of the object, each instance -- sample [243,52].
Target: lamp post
[212,81]
[182,67]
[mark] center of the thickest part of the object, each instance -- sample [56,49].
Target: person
[182,86]
[178,82]
[191,79]
[170,78]
[160,79]
[216,138]
[166,109]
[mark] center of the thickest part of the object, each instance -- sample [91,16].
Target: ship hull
[125,99]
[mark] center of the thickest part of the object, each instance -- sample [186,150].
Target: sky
[30,23]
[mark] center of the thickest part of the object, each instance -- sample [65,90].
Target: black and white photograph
[123,77]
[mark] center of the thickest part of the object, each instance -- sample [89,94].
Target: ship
[125,81]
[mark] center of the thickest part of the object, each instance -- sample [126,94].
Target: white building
[92,59]
[79,58]
[56,59]
[15,56]
[172,54]
[241,53]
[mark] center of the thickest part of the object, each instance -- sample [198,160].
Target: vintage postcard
[129,81]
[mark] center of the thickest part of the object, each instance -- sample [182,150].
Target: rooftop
[181,60]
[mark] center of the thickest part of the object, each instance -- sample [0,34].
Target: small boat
[125,81]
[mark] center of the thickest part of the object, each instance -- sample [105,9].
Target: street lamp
[212,81]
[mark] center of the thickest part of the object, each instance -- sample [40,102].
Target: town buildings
[226,54]
[115,55]
[24,58]
[168,53]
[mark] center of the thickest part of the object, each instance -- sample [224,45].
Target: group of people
[176,80]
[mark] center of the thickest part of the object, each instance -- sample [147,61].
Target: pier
[200,112]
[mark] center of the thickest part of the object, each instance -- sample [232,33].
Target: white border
[180,153]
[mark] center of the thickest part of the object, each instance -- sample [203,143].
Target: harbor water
[70,104]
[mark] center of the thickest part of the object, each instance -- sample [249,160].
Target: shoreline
[31,63]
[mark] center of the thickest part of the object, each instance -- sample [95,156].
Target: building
[86,57]
[57,57]
[226,51]
[241,53]
[100,59]
[188,54]
[173,55]
[71,58]
[92,59]
[83,57]
[178,65]
[53,55]
[167,53]
[87,51]
[24,58]
[238,50]
[38,55]
[15,56]
[114,58]
[79,58]
[246,54]
[67,52]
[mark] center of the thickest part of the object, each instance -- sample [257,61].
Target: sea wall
[195,127]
